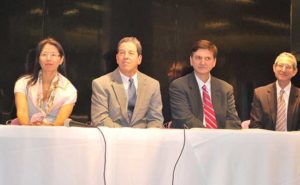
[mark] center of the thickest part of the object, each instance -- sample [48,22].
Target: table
[32,155]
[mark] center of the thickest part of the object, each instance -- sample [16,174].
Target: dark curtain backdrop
[295,28]
[248,33]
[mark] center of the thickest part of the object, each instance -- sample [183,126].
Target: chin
[284,79]
[202,72]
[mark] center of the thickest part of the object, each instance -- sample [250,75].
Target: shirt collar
[125,79]
[287,89]
[201,83]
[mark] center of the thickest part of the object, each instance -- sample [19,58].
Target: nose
[202,61]
[126,54]
[48,57]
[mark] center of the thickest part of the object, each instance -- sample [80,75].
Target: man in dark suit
[267,112]
[127,97]
[199,99]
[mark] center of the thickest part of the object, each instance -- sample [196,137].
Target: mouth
[125,62]
[283,75]
[48,64]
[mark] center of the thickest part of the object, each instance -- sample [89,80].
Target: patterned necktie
[281,113]
[208,110]
[131,98]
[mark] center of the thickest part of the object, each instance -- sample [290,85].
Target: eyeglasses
[286,66]
[51,55]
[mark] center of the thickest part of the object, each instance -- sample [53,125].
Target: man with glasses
[199,99]
[276,106]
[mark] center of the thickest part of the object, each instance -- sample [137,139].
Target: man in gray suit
[199,99]
[265,112]
[127,97]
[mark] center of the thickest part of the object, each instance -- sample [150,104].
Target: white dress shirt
[125,80]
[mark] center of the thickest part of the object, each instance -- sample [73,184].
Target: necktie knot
[204,88]
[130,82]
[281,94]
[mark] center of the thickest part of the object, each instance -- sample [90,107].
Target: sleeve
[232,119]
[99,107]
[71,97]
[20,85]
[256,114]
[154,115]
[182,115]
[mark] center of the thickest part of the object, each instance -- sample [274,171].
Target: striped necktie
[281,113]
[208,110]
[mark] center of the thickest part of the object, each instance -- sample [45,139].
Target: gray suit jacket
[186,103]
[264,108]
[109,102]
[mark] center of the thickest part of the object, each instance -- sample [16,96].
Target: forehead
[128,46]
[49,48]
[285,59]
[203,52]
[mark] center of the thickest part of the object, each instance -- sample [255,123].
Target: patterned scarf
[46,106]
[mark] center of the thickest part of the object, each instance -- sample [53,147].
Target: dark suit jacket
[109,102]
[264,108]
[186,103]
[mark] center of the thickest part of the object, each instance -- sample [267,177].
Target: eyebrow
[132,51]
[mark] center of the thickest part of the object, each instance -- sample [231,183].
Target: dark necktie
[208,110]
[131,98]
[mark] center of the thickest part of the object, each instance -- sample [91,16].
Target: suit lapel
[291,107]
[272,102]
[196,101]
[216,98]
[139,95]
[120,93]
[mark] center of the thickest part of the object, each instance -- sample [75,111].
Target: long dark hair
[37,67]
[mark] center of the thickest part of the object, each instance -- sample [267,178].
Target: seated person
[177,69]
[276,106]
[199,99]
[127,97]
[46,96]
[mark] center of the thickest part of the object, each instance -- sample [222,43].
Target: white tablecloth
[75,156]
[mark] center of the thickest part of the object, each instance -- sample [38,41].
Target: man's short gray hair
[288,55]
[134,40]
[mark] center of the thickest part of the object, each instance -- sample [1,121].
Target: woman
[45,97]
